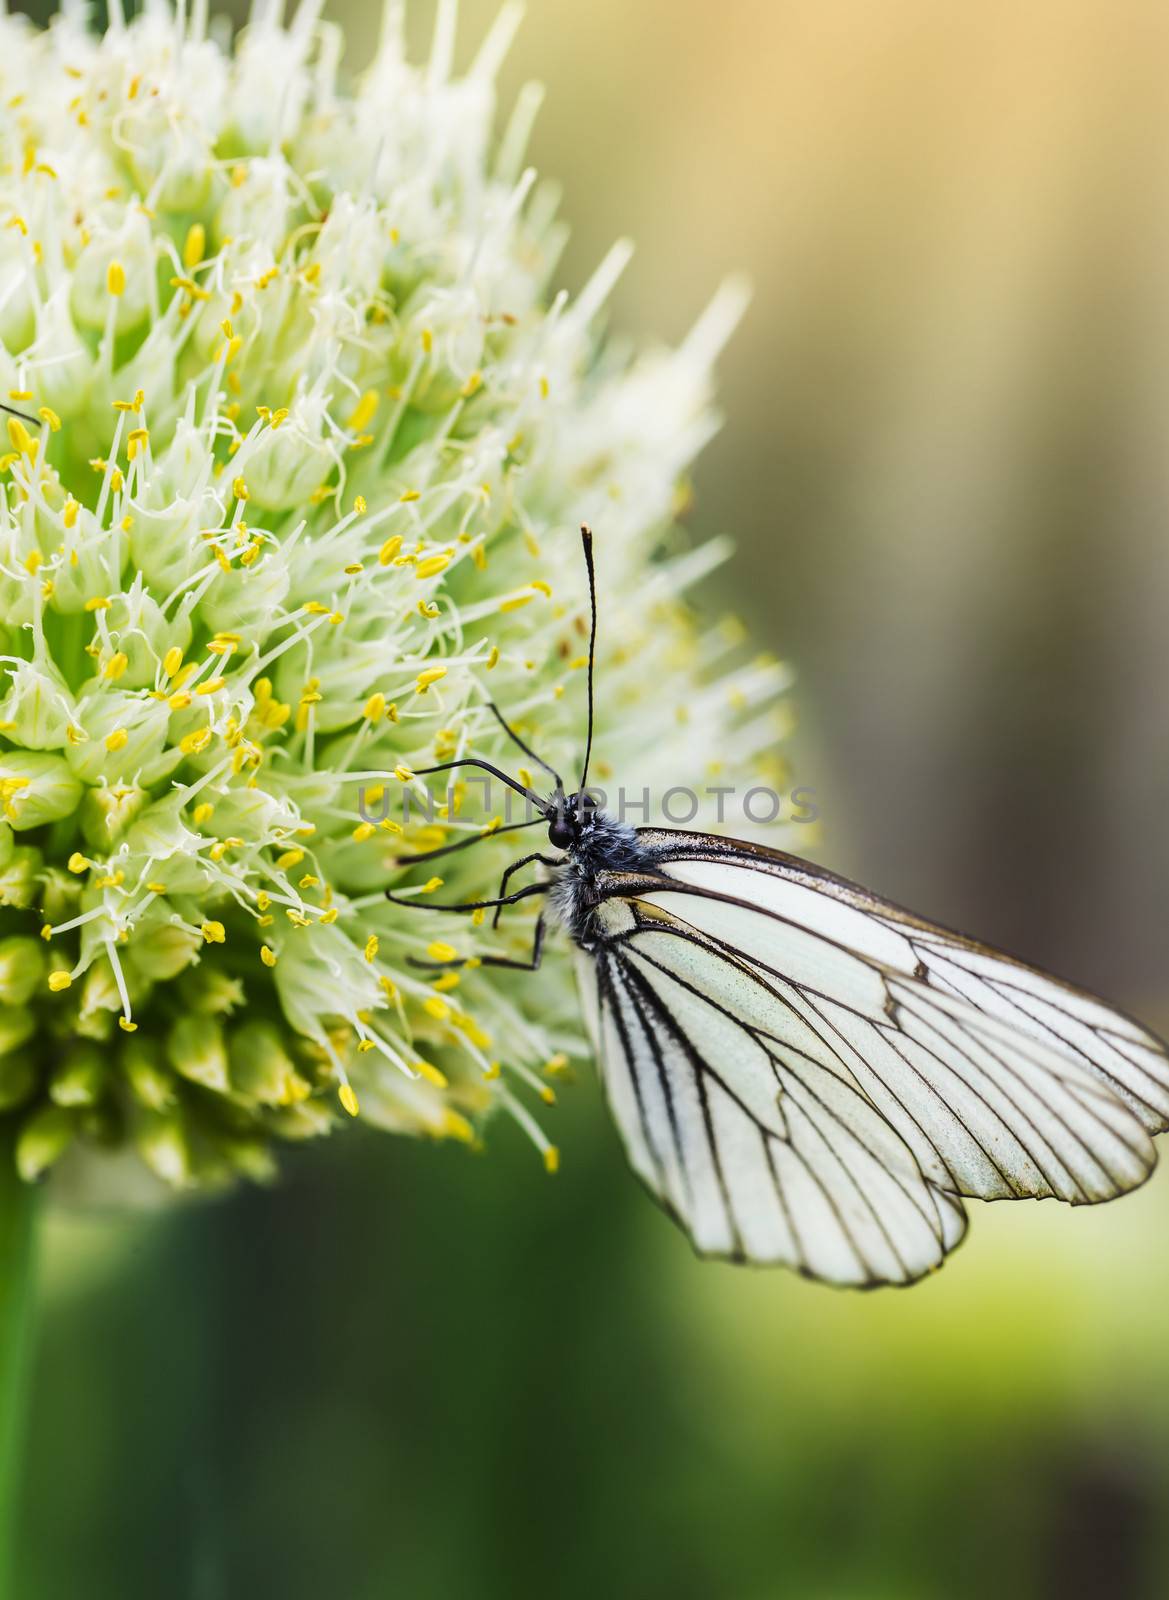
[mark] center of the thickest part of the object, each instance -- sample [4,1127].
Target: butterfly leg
[524,861]
[532,963]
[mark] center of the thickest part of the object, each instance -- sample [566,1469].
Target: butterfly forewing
[804,1073]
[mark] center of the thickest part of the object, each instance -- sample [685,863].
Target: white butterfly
[804,1073]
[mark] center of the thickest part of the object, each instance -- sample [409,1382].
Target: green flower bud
[142,632]
[150,1080]
[18,877]
[261,1067]
[161,1141]
[211,991]
[250,1158]
[114,277]
[64,376]
[38,707]
[79,1078]
[196,1050]
[22,966]
[123,735]
[311,1119]
[285,464]
[60,891]
[107,811]
[161,950]
[43,1140]
[36,789]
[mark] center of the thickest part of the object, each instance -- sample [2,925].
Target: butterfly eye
[559,833]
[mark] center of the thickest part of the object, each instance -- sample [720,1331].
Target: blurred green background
[414,1372]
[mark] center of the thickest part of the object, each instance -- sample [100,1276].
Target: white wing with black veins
[804,1073]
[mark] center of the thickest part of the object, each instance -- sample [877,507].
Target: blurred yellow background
[410,1372]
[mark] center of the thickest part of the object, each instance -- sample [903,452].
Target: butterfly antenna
[586,535]
[23,415]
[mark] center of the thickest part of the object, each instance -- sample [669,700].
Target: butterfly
[804,1073]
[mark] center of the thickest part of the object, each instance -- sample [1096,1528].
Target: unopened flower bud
[22,966]
[196,1050]
[43,1140]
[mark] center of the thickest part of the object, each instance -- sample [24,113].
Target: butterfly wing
[804,1073]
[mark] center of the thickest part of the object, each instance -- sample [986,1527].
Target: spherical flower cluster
[306,441]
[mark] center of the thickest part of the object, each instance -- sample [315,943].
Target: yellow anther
[543,388]
[98,603]
[348,1099]
[116,278]
[172,661]
[267,955]
[194,246]
[456,1126]
[427,1070]
[33,562]
[137,439]
[127,1026]
[390,549]
[59,980]
[263,900]
[363,831]
[213,932]
[309,882]
[179,701]
[427,340]
[330,916]
[78,863]
[117,740]
[551,1159]
[363,412]
[212,686]
[374,708]
[22,440]
[407,495]
[70,512]
[492,658]
[193,744]
[439,950]
[47,414]
[359,505]
[239,488]
[432,565]
[290,858]
[515,601]
[20,394]
[116,665]
[156,886]
[427,608]
[424,679]
[436,1008]
[431,885]
[541,587]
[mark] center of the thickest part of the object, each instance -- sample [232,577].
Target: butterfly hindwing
[804,1073]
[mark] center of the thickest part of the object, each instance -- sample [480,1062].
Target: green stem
[17,1209]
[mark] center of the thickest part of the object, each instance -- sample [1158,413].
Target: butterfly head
[569,818]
